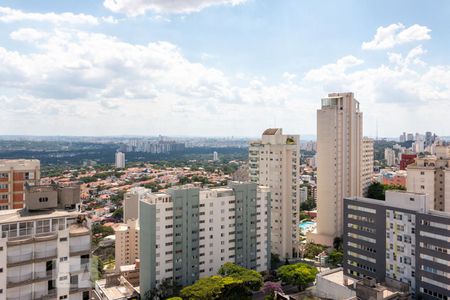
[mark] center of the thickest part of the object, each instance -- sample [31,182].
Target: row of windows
[360,208]
[361,237]
[363,257]
[435,236]
[362,228]
[436,283]
[434,294]
[361,218]
[435,259]
[435,248]
[361,266]
[362,247]
[435,271]
[435,224]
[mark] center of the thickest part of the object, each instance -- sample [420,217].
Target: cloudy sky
[220,67]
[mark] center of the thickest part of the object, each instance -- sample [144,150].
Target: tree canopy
[300,275]
[251,278]
[378,190]
[233,282]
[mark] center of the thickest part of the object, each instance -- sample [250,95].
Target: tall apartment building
[189,233]
[14,173]
[131,202]
[367,158]
[389,157]
[45,247]
[431,175]
[274,161]
[344,160]
[127,243]
[120,160]
[399,239]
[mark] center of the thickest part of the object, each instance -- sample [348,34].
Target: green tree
[251,278]
[312,250]
[207,288]
[300,275]
[378,191]
[118,213]
[335,258]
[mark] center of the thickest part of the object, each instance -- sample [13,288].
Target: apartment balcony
[46,236]
[43,275]
[77,289]
[78,230]
[13,281]
[50,295]
[82,268]
[26,296]
[46,254]
[27,238]
[76,250]
[15,260]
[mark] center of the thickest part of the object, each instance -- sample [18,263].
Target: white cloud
[9,15]
[90,83]
[396,34]
[28,34]
[140,7]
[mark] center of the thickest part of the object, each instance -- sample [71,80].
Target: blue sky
[220,67]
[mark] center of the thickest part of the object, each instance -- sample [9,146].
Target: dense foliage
[378,190]
[233,282]
[299,275]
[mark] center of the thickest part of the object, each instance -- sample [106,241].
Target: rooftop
[14,215]
[272,131]
[336,276]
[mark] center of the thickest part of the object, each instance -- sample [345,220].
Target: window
[62,259]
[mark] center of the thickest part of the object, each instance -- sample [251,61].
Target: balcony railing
[80,248]
[12,259]
[80,268]
[45,253]
[26,296]
[20,279]
[43,275]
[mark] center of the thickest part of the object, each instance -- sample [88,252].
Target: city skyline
[189,68]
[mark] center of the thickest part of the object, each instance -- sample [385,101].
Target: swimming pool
[306,225]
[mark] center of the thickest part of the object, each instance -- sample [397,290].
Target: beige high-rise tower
[275,162]
[431,175]
[343,162]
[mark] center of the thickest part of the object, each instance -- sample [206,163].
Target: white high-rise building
[344,160]
[303,194]
[275,162]
[215,156]
[189,233]
[45,248]
[120,160]
[389,157]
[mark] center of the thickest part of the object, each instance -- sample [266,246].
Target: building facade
[120,160]
[131,202]
[344,162]
[44,252]
[367,158]
[189,233]
[431,175]
[389,157]
[274,161]
[14,173]
[127,243]
[399,239]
